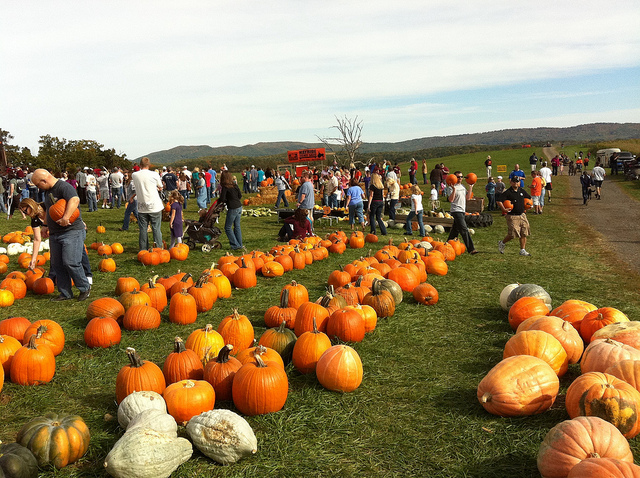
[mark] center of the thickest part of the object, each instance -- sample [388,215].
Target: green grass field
[416,412]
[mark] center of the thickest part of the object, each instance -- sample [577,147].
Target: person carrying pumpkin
[458,199]
[517,222]
[66,236]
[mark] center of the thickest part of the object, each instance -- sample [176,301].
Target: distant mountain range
[574,134]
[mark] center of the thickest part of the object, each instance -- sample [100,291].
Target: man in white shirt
[116,179]
[545,172]
[92,197]
[147,186]
[598,174]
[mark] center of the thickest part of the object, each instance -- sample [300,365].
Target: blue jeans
[3,207]
[392,209]
[333,201]
[92,201]
[281,195]
[375,214]
[460,227]
[185,195]
[117,197]
[144,219]
[356,210]
[492,202]
[407,227]
[66,261]
[232,227]
[132,207]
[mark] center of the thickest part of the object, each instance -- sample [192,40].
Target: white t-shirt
[146,184]
[116,179]
[416,202]
[546,174]
[434,194]
[459,203]
[598,173]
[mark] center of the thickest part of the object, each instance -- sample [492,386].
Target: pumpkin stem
[315,326]
[178,345]
[282,327]
[259,362]
[223,355]
[486,397]
[42,329]
[134,358]
[32,342]
[185,277]
[284,299]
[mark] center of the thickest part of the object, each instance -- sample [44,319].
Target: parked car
[624,158]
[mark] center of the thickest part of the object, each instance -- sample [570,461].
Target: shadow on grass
[509,465]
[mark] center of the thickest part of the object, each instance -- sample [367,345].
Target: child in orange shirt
[536,192]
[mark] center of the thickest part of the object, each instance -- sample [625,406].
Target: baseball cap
[499,177]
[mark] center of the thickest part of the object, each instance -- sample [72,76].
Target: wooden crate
[475,205]
[427,220]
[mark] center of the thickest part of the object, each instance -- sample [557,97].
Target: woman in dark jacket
[230,195]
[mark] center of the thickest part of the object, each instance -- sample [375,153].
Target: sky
[144,76]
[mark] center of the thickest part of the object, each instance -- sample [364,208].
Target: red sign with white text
[304,155]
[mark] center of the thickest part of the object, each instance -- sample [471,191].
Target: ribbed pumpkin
[102,332]
[627,370]
[141,317]
[260,387]
[223,286]
[220,371]
[381,301]
[182,308]
[57,440]
[538,344]
[33,364]
[572,310]
[182,364]
[599,318]
[204,293]
[205,342]
[305,316]
[562,330]
[517,386]
[339,369]
[339,278]
[281,339]
[157,294]
[600,467]
[8,347]
[47,332]
[346,324]
[237,330]
[16,460]
[331,301]
[106,307]
[245,276]
[275,315]
[14,327]
[16,286]
[183,282]
[126,284]
[624,332]
[134,297]
[267,354]
[43,286]
[405,278]
[298,294]
[524,308]
[529,290]
[272,269]
[309,348]
[137,376]
[602,395]
[603,353]
[189,398]
[571,441]
[425,294]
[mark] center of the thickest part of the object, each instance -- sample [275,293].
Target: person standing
[375,207]
[355,204]
[517,222]
[213,185]
[533,161]
[92,193]
[306,198]
[175,220]
[546,174]
[436,177]
[393,193]
[103,187]
[253,176]
[148,185]
[331,189]
[201,189]
[207,180]
[490,189]
[66,238]
[487,164]
[230,195]
[413,169]
[586,182]
[424,171]
[184,184]
[416,210]
[81,185]
[282,185]
[132,203]
[170,181]
[536,192]
[458,199]
[519,173]
[598,173]
[116,186]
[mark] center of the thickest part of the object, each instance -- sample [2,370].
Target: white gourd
[428,228]
[136,402]
[222,435]
[439,229]
[154,419]
[504,295]
[146,453]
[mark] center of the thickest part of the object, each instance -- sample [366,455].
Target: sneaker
[501,246]
[524,253]
[61,297]
[84,295]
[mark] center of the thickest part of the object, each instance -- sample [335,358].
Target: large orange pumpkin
[562,330]
[517,386]
[603,353]
[539,344]
[138,376]
[599,318]
[524,308]
[260,387]
[237,330]
[601,467]
[220,371]
[339,369]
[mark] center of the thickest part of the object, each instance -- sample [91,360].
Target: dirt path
[615,218]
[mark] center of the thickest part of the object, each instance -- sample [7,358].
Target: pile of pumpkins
[603,403]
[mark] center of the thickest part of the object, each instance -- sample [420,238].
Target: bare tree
[348,141]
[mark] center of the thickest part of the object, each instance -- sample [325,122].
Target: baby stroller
[204,231]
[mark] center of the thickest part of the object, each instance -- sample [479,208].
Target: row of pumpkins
[603,403]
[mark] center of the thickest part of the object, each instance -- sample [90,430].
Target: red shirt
[300,231]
